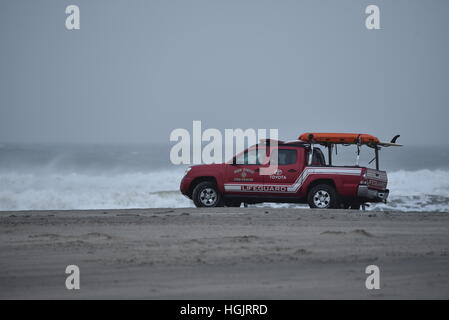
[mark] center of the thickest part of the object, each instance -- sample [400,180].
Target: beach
[224,253]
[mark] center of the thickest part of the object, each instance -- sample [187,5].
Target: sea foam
[421,190]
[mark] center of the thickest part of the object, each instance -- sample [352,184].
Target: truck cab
[302,176]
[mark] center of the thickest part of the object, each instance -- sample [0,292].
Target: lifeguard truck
[302,175]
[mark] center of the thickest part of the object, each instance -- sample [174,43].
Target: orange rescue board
[344,138]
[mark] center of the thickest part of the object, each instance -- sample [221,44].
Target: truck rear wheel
[206,194]
[322,196]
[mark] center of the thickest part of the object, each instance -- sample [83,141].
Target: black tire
[202,191]
[322,196]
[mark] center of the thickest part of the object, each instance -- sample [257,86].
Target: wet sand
[224,253]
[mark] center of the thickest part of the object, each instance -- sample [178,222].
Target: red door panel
[244,176]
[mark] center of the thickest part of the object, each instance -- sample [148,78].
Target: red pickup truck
[302,176]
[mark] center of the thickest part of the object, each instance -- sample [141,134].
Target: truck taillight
[363,180]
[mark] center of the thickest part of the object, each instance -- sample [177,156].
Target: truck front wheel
[206,194]
[322,196]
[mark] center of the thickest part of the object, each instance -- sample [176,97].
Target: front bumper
[185,185]
[372,195]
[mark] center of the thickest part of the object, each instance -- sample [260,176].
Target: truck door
[287,173]
[243,176]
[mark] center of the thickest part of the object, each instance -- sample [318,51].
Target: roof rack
[359,139]
[284,143]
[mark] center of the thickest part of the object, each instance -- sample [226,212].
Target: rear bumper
[372,195]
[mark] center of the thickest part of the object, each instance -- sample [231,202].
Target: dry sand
[224,253]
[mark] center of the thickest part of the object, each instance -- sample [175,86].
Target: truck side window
[286,157]
[248,157]
[318,157]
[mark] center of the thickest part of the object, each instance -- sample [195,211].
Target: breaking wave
[45,191]
[422,190]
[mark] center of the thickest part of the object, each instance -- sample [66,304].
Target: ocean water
[40,177]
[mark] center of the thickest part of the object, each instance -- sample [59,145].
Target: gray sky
[138,69]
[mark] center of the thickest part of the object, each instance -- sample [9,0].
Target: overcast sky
[138,69]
